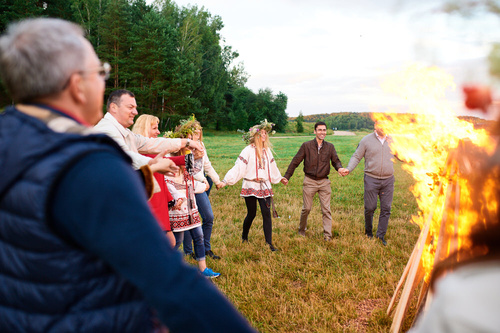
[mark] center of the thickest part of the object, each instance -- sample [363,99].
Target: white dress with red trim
[257,176]
[187,217]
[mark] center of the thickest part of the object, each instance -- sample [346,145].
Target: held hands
[163,165]
[284,181]
[178,204]
[195,145]
[221,184]
[343,172]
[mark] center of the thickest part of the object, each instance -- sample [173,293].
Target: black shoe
[212,255]
[382,239]
[272,247]
[191,254]
[244,240]
[369,235]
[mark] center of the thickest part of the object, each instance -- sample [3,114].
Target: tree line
[173,58]
[340,121]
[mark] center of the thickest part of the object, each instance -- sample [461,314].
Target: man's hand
[195,145]
[284,181]
[343,172]
[163,165]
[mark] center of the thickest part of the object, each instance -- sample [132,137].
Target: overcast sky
[332,55]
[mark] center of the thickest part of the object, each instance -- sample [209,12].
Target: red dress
[159,201]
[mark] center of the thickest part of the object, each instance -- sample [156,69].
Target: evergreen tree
[115,43]
[299,123]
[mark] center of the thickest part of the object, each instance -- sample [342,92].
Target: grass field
[310,285]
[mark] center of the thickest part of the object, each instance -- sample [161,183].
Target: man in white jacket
[121,111]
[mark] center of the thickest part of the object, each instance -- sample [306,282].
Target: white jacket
[202,166]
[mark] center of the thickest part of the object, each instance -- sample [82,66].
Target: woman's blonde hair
[259,145]
[144,123]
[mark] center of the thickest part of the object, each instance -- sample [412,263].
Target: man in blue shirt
[79,248]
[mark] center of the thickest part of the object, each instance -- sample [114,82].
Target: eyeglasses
[102,70]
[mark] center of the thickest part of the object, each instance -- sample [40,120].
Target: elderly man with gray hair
[79,247]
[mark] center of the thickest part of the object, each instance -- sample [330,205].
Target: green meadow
[309,285]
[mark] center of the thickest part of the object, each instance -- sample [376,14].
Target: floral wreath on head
[264,125]
[186,127]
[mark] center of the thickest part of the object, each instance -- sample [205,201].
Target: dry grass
[309,285]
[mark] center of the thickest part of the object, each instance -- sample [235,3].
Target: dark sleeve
[101,205]
[296,160]
[335,159]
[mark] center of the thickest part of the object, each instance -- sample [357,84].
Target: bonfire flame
[426,139]
[444,156]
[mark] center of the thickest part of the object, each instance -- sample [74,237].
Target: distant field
[309,285]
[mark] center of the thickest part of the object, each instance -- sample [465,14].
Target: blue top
[98,203]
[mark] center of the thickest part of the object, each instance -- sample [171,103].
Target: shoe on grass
[210,273]
[382,239]
[271,246]
[190,254]
[212,255]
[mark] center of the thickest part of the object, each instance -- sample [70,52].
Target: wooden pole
[410,280]
[403,277]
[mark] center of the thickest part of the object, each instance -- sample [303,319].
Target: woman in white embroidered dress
[257,167]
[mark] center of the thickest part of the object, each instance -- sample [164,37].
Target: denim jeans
[210,183]
[197,235]
[207,216]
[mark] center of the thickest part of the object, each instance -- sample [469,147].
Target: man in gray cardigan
[379,178]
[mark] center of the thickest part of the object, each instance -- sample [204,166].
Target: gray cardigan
[378,157]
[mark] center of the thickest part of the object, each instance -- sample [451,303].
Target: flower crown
[264,125]
[185,127]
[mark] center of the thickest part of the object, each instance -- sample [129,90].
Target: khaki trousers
[324,190]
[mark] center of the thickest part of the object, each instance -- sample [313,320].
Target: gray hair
[38,56]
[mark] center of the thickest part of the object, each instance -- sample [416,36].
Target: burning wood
[437,148]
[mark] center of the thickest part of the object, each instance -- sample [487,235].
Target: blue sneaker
[210,273]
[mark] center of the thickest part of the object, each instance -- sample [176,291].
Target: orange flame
[426,139]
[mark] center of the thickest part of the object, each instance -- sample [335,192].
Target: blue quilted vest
[48,283]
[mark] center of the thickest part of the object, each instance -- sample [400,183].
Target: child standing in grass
[257,167]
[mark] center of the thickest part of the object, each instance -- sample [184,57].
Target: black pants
[267,224]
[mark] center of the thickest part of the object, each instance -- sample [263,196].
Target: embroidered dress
[257,177]
[187,217]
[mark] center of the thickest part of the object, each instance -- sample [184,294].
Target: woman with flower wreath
[184,217]
[191,129]
[258,169]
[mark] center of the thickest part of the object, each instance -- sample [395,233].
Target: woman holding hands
[258,169]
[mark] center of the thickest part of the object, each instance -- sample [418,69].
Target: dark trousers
[375,188]
[267,224]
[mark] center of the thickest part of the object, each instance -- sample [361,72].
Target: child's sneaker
[210,273]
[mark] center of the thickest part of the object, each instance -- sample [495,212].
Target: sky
[332,56]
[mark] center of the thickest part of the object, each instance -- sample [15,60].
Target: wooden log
[403,276]
[402,306]
[442,239]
